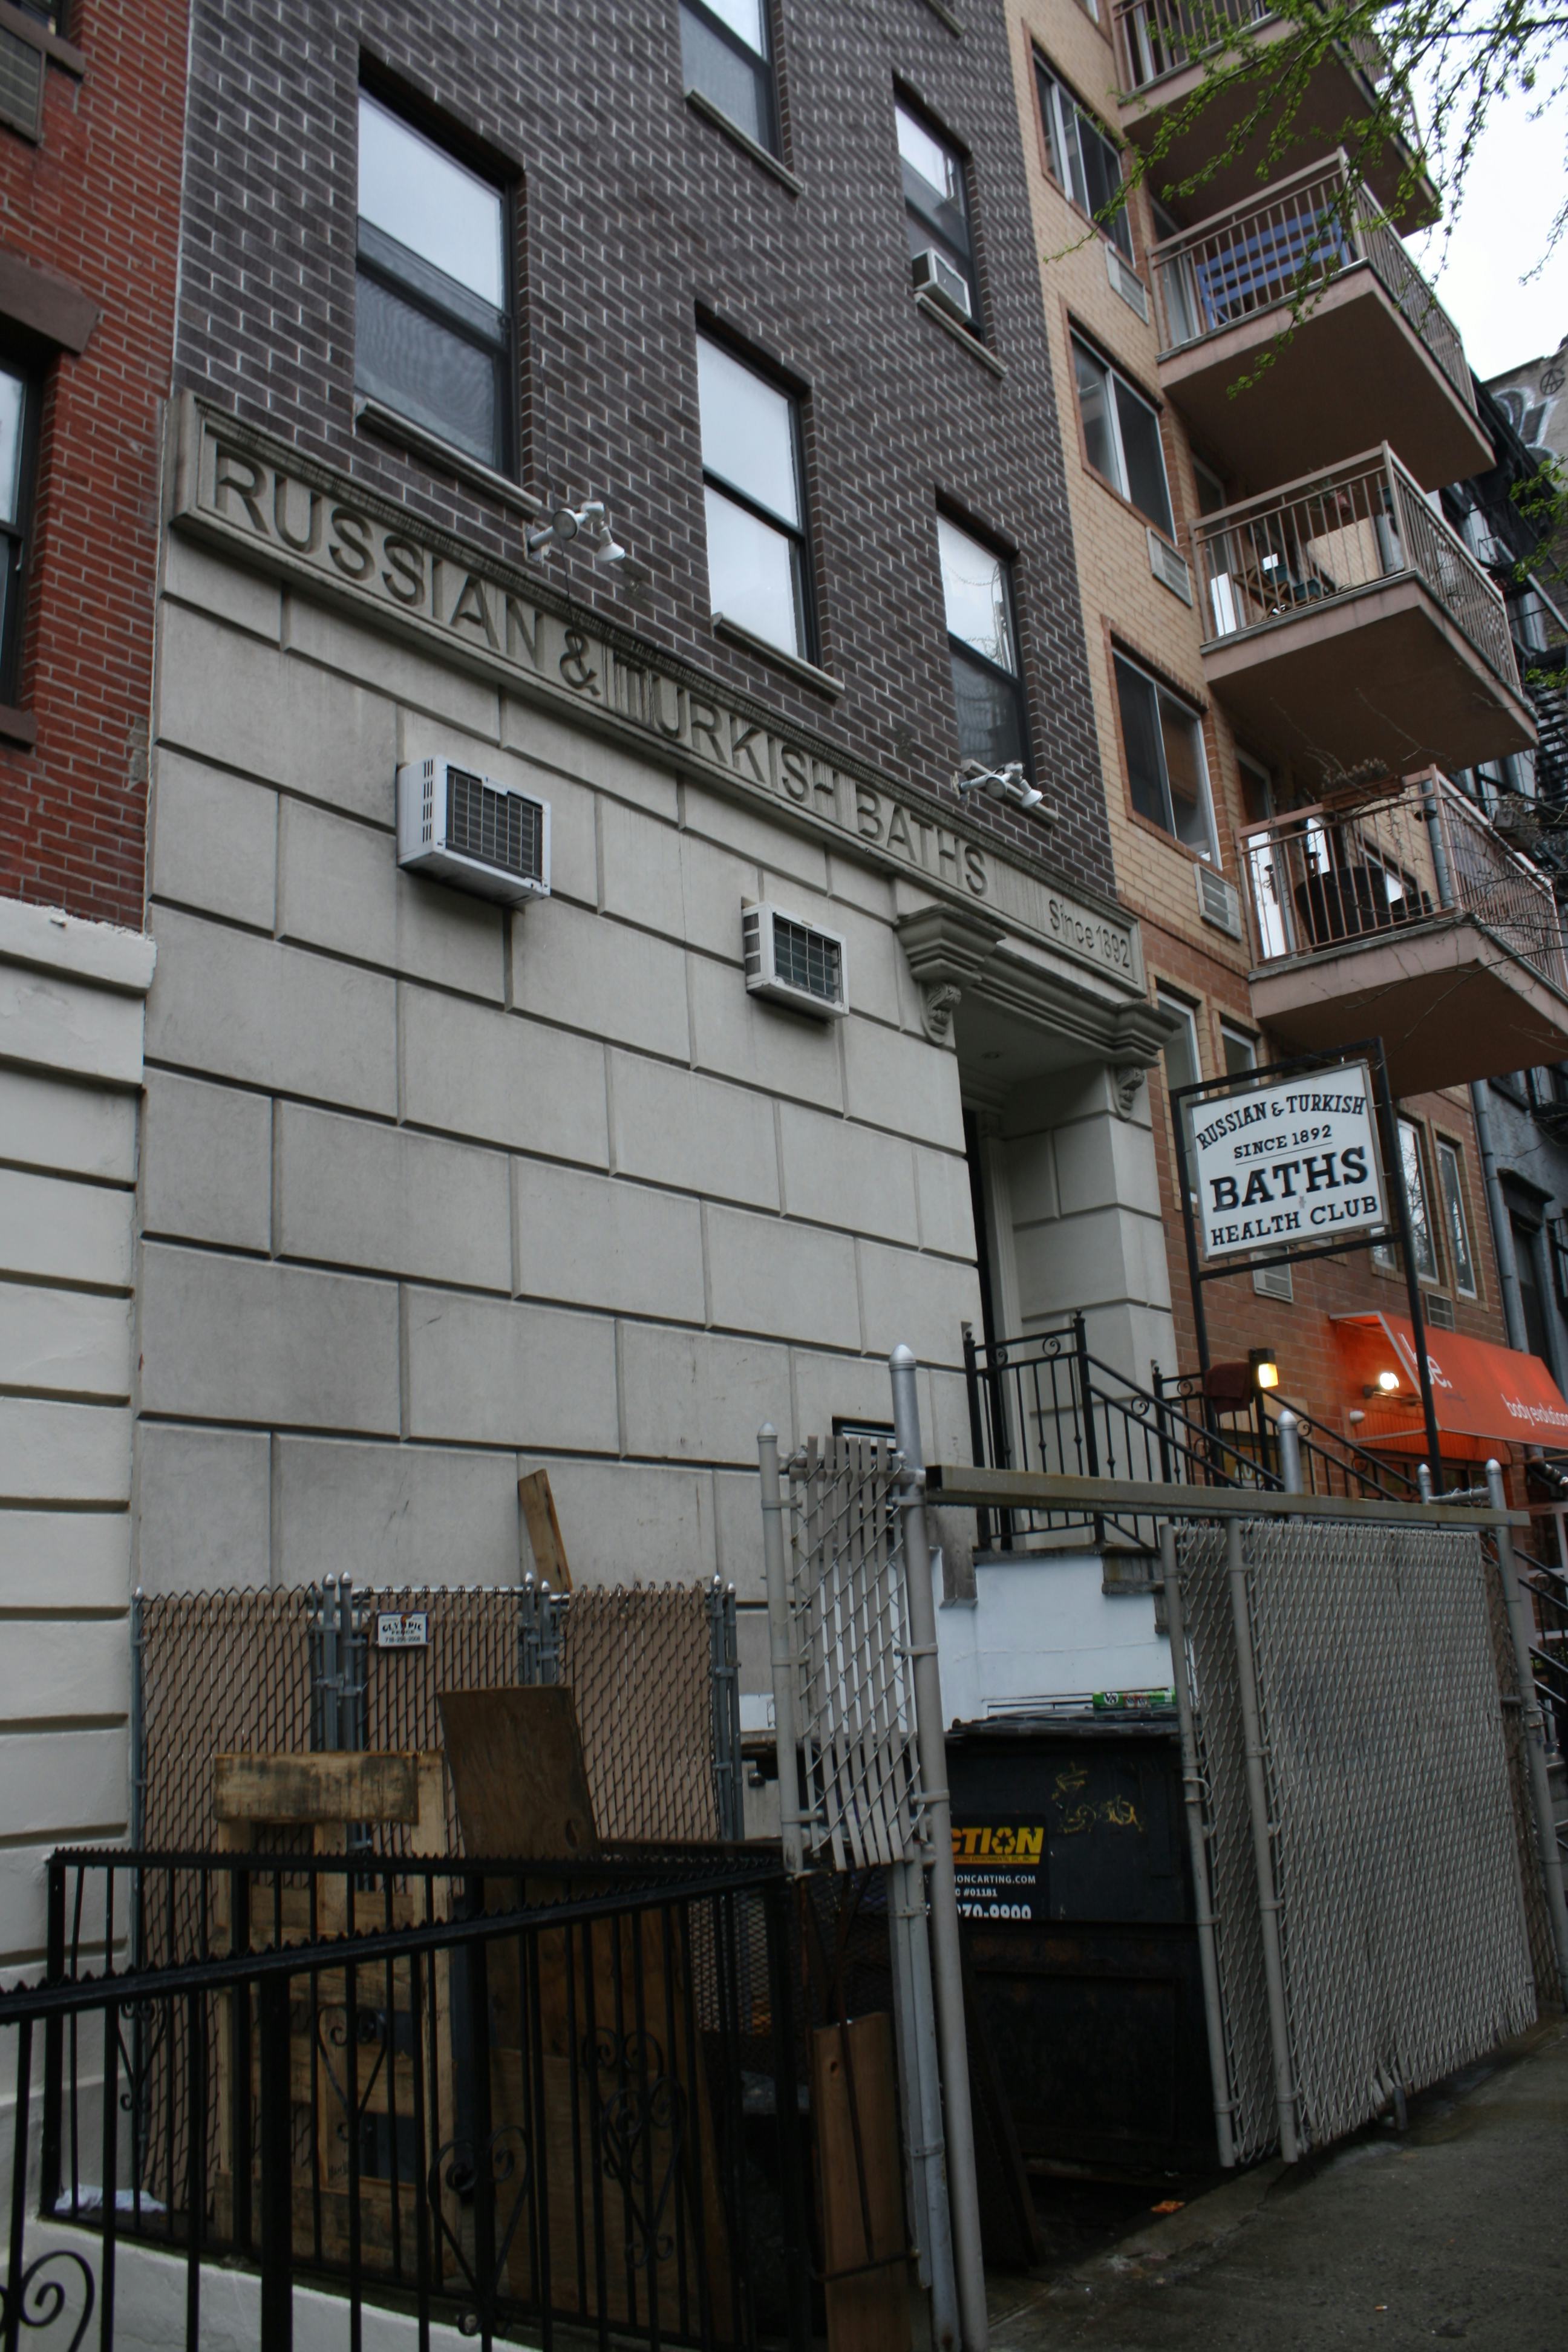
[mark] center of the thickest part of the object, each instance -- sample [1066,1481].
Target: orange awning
[1480,1390]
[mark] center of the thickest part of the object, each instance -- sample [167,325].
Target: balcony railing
[1278,247]
[1335,534]
[1316,879]
[1157,37]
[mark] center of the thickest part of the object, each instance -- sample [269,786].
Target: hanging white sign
[1296,1161]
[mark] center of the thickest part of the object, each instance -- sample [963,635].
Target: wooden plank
[544,1530]
[516,1761]
[864,2244]
[956,1484]
[329,1788]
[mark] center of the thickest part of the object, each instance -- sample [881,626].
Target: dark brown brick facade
[635,215]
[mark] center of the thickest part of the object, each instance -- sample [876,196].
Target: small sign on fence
[1296,1161]
[403,1629]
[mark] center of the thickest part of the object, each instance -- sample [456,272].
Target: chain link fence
[653,1669]
[1392,1819]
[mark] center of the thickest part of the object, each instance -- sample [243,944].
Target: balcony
[1375,357]
[1161,47]
[1348,624]
[1413,919]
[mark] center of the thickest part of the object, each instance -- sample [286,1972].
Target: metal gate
[1364,1862]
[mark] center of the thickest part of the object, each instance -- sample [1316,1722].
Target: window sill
[38,36]
[374,417]
[18,726]
[1144,522]
[748,146]
[975,348]
[948,18]
[822,680]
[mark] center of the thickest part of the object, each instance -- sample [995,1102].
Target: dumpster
[1075,1901]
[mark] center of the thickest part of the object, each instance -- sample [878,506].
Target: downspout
[1496,1211]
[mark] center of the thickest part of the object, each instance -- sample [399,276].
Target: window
[727,58]
[1166,771]
[1455,1219]
[433,336]
[1527,1258]
[1121,434]
[1085,163]
[1181,1050]
[1423,1236]
[1240,1048]
[755,507]
[982,642]
[1210,489]
[936,208]
[16,407]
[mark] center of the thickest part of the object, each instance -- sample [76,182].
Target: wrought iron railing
[508,2097]
[1270,559]
[1284,245]
[1317,877]
[1046,1402]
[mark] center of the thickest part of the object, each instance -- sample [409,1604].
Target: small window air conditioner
[1126,283]
[794,962]
[1169,567]
[1438,1308]
[935,274]
[467,830]
[1219,902]
[1274,1282]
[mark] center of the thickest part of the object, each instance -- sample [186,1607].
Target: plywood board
[516,1761]
[337,1787]
[862,2186]
[544,1529]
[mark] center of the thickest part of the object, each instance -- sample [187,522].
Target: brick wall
[635,211]
[97,201]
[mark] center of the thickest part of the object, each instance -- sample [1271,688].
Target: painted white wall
[1040,1627]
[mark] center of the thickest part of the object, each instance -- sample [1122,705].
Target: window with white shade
[17,404]
[1122,436]
[983,642]
[433,326]
[1456,1217]
[754,501]
[1167,773]
[1086,163]
[726,55]
[936,203]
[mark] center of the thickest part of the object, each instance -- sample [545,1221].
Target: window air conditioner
[935,274]
[1169,567]
[1219,902]
[1126,283]
[794,962]
[471,832]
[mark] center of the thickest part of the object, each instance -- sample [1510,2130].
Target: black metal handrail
[576,2108]
[1045,1402]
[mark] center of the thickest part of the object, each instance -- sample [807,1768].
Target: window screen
[982,642]
[1167,774]
[726,54]
[1121,434]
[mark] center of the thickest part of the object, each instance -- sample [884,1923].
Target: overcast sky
[1515,186]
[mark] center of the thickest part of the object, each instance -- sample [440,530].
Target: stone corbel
[1126,1079]
[1142,1031]
[948,948]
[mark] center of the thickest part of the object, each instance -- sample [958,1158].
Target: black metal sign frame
[1369,1050]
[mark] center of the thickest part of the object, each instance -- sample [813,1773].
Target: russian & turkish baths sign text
[1297,1162]
[236,486]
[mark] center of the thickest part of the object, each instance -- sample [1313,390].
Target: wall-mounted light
[1008,783]
[1387,1384]
[1264,1365]
[590,525]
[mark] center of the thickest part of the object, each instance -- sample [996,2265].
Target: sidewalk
[1456,2230]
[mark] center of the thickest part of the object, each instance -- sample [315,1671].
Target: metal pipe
[1534,1730]
[947,1972]
[1423,1481]
[914,2018]
[1497,1218]
[781,1650]
[1262,1847]
[1289,1434]
[1197,1847]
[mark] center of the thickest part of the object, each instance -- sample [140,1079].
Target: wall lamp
[590,525]
[1387,1384]
[1008,783]
[1264,1366]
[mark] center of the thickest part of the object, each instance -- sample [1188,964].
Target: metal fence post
[1513,1593]
[351,1680]
[726,1675]
[325,1660]
[1197,1847]
[964,2193]
[1289,1430]
[925,2148]
[1262,1845]
[781,1646]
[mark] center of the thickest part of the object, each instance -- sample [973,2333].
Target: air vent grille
[501,828]
[1274,1282]
[1128,283]
[1169,568]
[21,83]
[812,961]
[1439,1311]
[1219,902]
